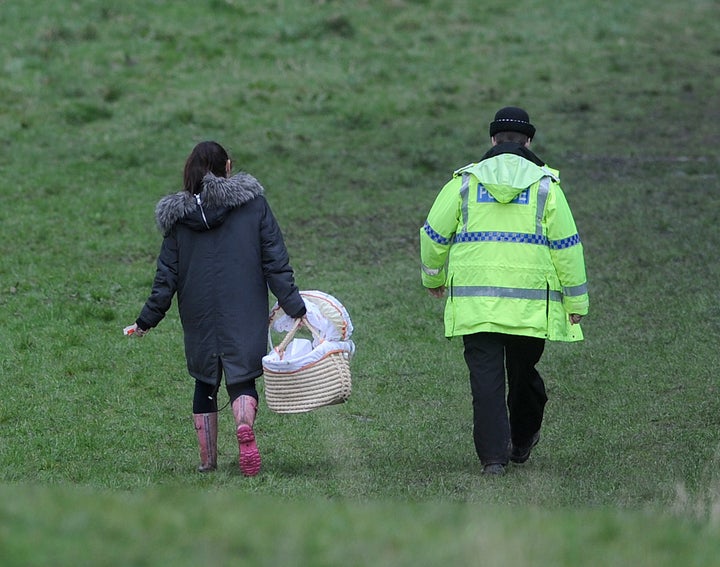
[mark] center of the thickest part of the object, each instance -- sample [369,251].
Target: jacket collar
[513,148]
[218,193]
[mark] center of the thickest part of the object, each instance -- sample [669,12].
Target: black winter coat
[220,254]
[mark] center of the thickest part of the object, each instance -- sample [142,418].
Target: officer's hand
[575,318]
[437,291]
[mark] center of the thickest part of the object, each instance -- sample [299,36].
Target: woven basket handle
[291,333]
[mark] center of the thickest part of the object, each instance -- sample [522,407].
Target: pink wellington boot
[206,426]
[244,410]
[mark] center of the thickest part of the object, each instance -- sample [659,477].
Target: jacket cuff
[142,325]
[433,281]
[300,313]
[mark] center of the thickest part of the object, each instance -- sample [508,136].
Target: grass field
[353,115]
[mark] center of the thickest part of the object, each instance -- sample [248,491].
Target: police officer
[501,240]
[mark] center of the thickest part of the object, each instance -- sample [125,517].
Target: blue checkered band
[434,236]
[501,237]
[565,242]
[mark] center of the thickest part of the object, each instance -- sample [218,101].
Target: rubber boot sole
[249,455]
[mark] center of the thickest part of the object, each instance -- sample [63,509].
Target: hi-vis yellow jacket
[500,236]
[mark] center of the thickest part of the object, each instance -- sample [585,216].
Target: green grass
[353,115]
[186,527]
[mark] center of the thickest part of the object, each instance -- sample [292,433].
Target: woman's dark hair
[206,157]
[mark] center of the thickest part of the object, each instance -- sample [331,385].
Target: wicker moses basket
[301,376]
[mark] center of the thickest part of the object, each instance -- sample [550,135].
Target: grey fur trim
[217,192]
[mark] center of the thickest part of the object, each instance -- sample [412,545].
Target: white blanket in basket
[324,312]
[301,353]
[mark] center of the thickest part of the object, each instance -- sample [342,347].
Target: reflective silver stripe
[507,292]
[550,174]
[542,196]
[575,290]
[430,271]
[464,190]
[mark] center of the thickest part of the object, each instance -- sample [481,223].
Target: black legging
[205,398]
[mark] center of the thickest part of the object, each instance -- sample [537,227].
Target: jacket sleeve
[164,285]
[437,234]
[566,252]
[276,266]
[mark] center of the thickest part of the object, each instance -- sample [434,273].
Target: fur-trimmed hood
[209,208]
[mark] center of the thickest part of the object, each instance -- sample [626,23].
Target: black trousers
[496,419]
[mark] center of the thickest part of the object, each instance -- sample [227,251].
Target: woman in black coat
[222,250]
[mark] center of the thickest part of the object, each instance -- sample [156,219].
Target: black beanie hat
[512,119]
